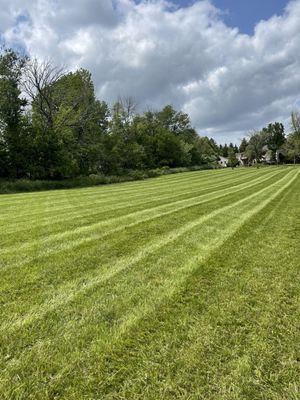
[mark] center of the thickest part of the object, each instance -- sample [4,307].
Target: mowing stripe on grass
[63,202]
[82,210]
[72,320]
[72,290]
[170,289]
[150,213]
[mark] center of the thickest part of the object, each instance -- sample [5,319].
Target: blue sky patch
[244,14]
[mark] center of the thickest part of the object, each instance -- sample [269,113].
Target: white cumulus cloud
[228,82]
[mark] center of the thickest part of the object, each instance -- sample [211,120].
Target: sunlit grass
[179,287]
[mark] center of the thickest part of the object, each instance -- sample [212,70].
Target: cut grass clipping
[179,287]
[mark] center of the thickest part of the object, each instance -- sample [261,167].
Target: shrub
[27,185]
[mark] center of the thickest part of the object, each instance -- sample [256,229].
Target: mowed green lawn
[185,286]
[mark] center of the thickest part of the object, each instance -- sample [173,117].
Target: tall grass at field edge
[28,185]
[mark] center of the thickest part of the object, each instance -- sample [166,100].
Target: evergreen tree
[243,145]
[12,122]
[232,160]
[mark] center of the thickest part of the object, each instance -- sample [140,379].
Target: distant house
[223,161]
[269,156]
[242,159]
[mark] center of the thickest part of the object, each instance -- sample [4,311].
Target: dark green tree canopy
[274,135]
[13,125]
[243,145]
[232,160]
[61,130]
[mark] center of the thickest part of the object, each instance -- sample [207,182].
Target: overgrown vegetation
[154,289]
[58,129]
[27,185]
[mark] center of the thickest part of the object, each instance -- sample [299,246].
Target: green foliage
[72,145]
[13,126]
[29,185]
[232,160]
[291,147]
[274,136]
[270,144]
[69,133]
[255,148]
[65,131]
[224,150]
[203,151]
[243,145]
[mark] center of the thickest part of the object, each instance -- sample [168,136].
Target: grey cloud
[228,82]
[69,15]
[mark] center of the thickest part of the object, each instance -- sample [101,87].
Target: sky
[244,14]
[232,65]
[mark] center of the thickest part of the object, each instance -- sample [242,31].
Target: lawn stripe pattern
[145,251]
[73,298]
[204,196]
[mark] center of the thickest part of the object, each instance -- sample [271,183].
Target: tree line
[272,145]
[269,145]
[52,126]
